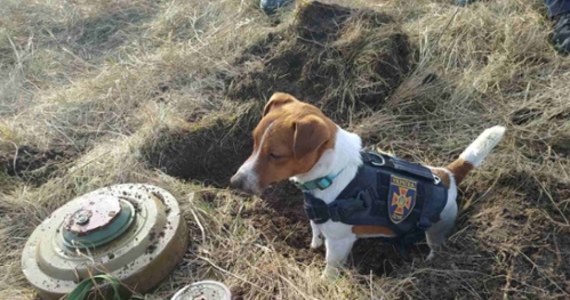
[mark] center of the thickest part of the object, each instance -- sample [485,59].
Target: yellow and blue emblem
[401,198]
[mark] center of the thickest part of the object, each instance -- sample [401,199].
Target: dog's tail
[475,153]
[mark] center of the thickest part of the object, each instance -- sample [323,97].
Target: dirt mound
[34,165]
[335,57]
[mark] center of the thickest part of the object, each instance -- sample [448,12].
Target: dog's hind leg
[436,235]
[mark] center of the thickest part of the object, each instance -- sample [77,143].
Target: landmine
[134,232]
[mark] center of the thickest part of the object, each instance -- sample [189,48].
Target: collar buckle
[319,183]
[324,183]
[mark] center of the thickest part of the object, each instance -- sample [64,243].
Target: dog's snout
[237,181]
[245,182]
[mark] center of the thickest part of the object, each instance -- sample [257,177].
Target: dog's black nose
[237,181]
[240,181]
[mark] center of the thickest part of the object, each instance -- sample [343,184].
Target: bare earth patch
[33,165]
[339,58]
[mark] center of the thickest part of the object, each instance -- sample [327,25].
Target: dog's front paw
[330,273]
[431,255]
[316,242]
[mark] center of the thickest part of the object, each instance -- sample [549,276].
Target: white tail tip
[482,146]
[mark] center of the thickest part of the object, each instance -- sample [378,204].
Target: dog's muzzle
[244,182]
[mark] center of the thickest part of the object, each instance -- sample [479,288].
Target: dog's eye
[275,156]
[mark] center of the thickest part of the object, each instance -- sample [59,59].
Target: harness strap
[316,209]
[411,168]
[341,209]
[424,222]
[338,211]
[379,160]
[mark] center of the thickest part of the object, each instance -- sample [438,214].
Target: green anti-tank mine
[134,232]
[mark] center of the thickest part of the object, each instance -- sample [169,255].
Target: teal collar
[319,183]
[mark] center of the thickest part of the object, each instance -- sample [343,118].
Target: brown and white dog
[296,140]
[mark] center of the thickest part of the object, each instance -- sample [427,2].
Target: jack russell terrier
[350,193]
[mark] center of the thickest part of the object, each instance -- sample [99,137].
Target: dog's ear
[278,99]
[311,133]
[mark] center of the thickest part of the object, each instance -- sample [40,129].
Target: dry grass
[116,88]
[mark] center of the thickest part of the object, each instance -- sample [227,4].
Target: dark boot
[271,6]
[463,2]
[561,33]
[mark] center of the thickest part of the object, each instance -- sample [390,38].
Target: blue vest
[386,191]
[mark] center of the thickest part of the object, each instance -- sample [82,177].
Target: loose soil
[341,59]
[34,165]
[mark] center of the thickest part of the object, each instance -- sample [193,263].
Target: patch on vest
[402,198]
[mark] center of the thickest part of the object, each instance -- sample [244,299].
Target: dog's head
[288,141]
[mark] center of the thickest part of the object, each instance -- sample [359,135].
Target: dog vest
[386,191]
